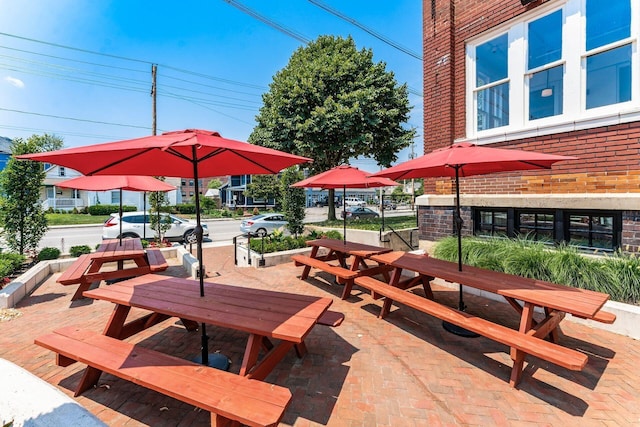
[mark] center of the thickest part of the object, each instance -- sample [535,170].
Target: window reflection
[607,22]
[546,93]
[545,40]
[491,61]
[493,107]
[609,77]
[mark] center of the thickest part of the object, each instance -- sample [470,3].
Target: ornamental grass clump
[616,274]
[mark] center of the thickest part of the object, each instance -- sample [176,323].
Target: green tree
[293,200]
[159,202]
[23,219]
[215,183]
[264,187]
[333,103]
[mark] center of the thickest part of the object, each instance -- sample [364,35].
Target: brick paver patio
[404,370]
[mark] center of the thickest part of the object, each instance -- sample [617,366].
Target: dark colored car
[358,212]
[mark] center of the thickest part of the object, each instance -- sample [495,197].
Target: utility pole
[154,69]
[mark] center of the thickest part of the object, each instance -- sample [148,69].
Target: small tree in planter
[293,200]
[159,203]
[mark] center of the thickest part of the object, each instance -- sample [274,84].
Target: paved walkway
[404,370]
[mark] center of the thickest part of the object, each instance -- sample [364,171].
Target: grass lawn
[73,219]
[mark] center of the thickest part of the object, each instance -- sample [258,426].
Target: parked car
[263,224]
[358,212]
[325,202]
[354,201]
[388,204]
[133,223]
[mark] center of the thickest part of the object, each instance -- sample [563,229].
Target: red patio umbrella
[189,153]
[466,159]
[344,176]
[120,182]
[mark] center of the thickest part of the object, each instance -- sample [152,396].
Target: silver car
[133,222]
[263,224]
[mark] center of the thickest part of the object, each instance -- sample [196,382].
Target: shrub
[109,209]
[186,209]
[48,253]
[256,211]
[76,251]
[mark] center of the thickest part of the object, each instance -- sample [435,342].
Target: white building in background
[67,199]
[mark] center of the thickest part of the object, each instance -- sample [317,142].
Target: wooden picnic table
[88,268]
[341,251]
[523,294]
[265,315]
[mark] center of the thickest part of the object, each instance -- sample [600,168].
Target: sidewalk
[404,370]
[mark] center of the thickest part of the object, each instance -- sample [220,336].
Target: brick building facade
[558,76]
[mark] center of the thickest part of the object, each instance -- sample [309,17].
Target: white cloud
[14,82]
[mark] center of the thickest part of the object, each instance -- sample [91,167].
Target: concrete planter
[17,289]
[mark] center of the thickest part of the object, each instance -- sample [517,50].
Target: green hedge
[109,209]
[48,253]
[185,208]
[616,274]
[76,251]
[277,242]
[10,262]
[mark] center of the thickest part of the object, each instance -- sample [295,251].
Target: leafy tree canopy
[333,103]
[22,217]
[264,187]
[215,183]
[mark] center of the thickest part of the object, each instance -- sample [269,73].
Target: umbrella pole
[198,230]
[450,327]
[344,214]
[144,215]
[120,212]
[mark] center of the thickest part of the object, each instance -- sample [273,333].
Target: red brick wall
[608,157]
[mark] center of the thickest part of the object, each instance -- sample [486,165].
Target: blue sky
[214,62]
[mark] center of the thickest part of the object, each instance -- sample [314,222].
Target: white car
[263,224]
[354,201]
[133,223]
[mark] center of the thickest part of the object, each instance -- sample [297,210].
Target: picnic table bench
[87,269]
[341,250]
[231,399]
[535,337]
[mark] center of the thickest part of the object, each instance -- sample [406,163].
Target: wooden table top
[267,313]
[351,248]
[581,302]
[112,249]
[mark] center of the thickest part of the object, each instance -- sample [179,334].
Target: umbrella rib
[100,169]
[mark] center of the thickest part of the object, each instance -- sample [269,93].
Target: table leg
[116,321]
[90,378]
[517,355]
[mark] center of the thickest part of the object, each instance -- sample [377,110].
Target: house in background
[5,151]
[559,77]
[66,199]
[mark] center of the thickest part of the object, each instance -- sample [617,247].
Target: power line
[367,29]
[269,22]
[129,59]
[74,119]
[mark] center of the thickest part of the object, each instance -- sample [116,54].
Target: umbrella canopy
[467,159]
[119,182]
[172,154]
[344,176]
[189,153]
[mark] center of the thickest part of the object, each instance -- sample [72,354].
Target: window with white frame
[569,61]
[115,197]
